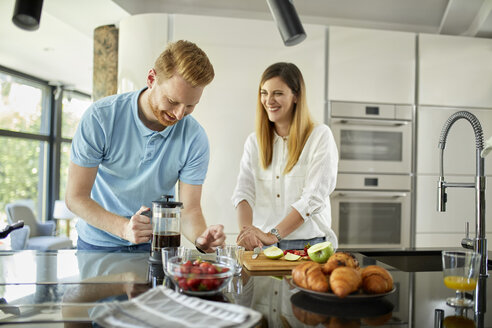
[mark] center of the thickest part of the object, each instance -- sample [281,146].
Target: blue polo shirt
[136,164]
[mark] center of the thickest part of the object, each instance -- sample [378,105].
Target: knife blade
[256,252]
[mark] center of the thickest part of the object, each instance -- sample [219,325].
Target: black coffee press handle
[8,229]
[147,213]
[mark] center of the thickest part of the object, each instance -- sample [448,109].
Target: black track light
[285,15]
[27,14]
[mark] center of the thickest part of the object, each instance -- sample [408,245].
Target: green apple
[291,257]
[321,252]
[273,253]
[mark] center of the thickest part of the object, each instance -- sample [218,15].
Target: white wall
[138,48]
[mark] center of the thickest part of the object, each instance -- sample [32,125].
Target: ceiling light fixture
[289,25]
[27,14]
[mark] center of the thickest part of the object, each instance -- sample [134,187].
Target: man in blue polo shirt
[130,149]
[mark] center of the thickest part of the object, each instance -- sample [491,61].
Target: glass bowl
[200,274]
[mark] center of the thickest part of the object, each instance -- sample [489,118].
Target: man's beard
[159,115]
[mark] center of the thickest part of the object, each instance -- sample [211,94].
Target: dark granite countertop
[61,288]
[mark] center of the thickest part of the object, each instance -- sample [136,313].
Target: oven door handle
[370,194]
[370,122]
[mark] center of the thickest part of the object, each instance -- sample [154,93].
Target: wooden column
[105,74]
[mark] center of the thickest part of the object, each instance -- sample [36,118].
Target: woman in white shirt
[288,168]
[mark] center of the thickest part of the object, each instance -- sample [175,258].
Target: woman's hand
[251,237]
[248,240]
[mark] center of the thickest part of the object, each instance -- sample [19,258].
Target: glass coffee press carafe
[165,216]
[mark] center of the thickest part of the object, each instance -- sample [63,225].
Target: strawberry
[193,282]
[211,270]
[205,265]
[182,283]
[208,284]
[184,269]
[196,270]
[306,247]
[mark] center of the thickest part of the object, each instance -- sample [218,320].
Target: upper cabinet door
[455,71]
[371,66]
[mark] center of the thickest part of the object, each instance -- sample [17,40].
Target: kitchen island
[61,289]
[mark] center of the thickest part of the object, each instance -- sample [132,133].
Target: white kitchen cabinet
[455,71]
[371,65]
[446,229]
[459,154]
[240,50]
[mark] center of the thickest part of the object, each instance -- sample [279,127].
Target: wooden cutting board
[262,263]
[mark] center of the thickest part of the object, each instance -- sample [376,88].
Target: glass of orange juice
[460,270]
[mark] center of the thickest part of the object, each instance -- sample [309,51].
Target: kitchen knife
[256,252]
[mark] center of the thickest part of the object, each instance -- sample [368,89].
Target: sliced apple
[273,253]
[321,252]
[291,257]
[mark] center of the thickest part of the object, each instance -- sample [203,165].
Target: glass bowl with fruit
[200,274]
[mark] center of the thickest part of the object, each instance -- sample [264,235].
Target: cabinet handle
[371,194]
[370,122]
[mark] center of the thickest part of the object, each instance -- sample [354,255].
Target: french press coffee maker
[165,216]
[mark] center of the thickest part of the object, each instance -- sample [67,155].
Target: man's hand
[251,237]
[211,238]
[138,229]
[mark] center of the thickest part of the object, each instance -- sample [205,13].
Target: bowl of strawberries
[200,274]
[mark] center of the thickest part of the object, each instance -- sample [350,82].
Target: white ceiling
[60,51]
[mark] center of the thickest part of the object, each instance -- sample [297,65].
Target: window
[21,106]
[73,107]
[34,149]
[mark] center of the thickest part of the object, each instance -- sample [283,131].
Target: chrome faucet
[479,243]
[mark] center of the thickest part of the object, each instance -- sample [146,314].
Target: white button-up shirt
[307,187]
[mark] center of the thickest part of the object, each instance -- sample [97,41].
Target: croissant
[340,259]
[308,275]
[377,321]
[307,317]
[376,280]
[345,280]
[336,322]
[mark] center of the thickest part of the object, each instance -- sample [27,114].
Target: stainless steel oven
[373,137]
[372,211]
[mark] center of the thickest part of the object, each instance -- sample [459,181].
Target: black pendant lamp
[27,14]
[289,25]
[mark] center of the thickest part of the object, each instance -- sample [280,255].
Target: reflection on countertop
[65,286]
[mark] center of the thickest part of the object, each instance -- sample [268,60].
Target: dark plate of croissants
[314,311]
[342,279]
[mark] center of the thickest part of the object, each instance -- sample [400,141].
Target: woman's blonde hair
[301,124]
[186,59]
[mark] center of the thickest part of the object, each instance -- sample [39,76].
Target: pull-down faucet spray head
[442,184]
[442,196]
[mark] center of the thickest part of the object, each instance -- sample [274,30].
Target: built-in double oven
[372,202]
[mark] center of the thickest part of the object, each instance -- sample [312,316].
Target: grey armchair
[34,234]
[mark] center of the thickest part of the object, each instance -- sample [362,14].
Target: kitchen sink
[411,260]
